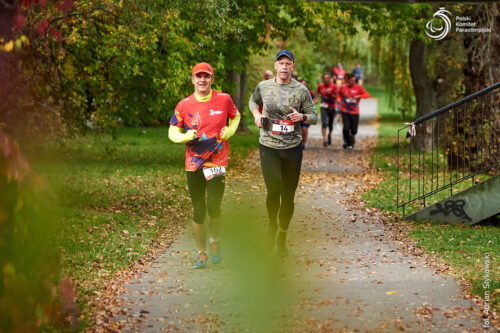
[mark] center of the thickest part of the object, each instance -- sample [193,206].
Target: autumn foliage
[29,297]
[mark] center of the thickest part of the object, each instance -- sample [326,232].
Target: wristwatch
[304,118]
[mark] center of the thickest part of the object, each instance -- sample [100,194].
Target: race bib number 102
[282,127]
[213,172]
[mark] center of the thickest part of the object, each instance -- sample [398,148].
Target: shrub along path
[348,269]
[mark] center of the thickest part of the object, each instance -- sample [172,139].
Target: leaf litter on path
[382,228]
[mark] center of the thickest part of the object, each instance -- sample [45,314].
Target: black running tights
[281,170]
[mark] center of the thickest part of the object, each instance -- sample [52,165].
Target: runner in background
[209,119]
[268,74]
[358,71]
[295,75]
[327,90]
[339,73]
[286,104]
[350,94]
[303,126]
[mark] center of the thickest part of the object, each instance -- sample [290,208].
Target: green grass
[462,247]
[115,197]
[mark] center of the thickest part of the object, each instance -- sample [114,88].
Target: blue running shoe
[329,140]
[215,255]
[201,260]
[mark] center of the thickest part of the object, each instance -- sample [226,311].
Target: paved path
[343,274]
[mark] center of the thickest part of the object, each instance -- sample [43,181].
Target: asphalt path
[346,271]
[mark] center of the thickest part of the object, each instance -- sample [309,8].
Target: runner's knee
[214,212]
[199,214]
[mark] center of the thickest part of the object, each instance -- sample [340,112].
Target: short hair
[323,76]
[349,75]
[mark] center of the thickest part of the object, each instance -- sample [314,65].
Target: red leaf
[65,7]
[27,3]
[56,34]
[42,27]
[43,3]
[19,20]
[67,290]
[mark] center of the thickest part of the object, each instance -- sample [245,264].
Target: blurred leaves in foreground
[29,297]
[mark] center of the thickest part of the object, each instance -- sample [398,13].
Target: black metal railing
[446,147]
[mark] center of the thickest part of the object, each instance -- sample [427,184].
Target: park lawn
[115,198]
[462,247]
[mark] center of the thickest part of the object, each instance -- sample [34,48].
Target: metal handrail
[455,143]
[455,104]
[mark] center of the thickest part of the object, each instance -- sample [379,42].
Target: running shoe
[329,140]
[201,260]
[215,255]
[324,144]
[344,145]
[350,148]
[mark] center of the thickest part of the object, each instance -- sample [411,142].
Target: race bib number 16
[213,172]
[282,127]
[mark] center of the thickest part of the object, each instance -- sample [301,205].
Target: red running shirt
[327,94]
[339,72]
[208,118]
[349,104]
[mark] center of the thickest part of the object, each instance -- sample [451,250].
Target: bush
[28,259]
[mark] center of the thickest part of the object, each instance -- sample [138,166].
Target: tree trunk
[242,128]
[239,96]
[425,95]
[480,71]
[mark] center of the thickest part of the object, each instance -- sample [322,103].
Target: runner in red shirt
[350,94]
[339,73]
[327,90]
[204,116]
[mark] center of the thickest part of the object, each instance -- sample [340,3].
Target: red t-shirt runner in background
[207,118]
[347,94]
[327,94]
[339,73]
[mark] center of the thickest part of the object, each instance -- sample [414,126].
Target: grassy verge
[464,248]
[115,198]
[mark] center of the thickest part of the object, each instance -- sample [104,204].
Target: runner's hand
[295,116]
[258,120]
[191,134]
[226,133]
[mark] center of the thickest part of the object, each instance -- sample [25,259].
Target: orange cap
[203,67]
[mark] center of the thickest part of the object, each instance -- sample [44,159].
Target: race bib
[282,127]
[213,172]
